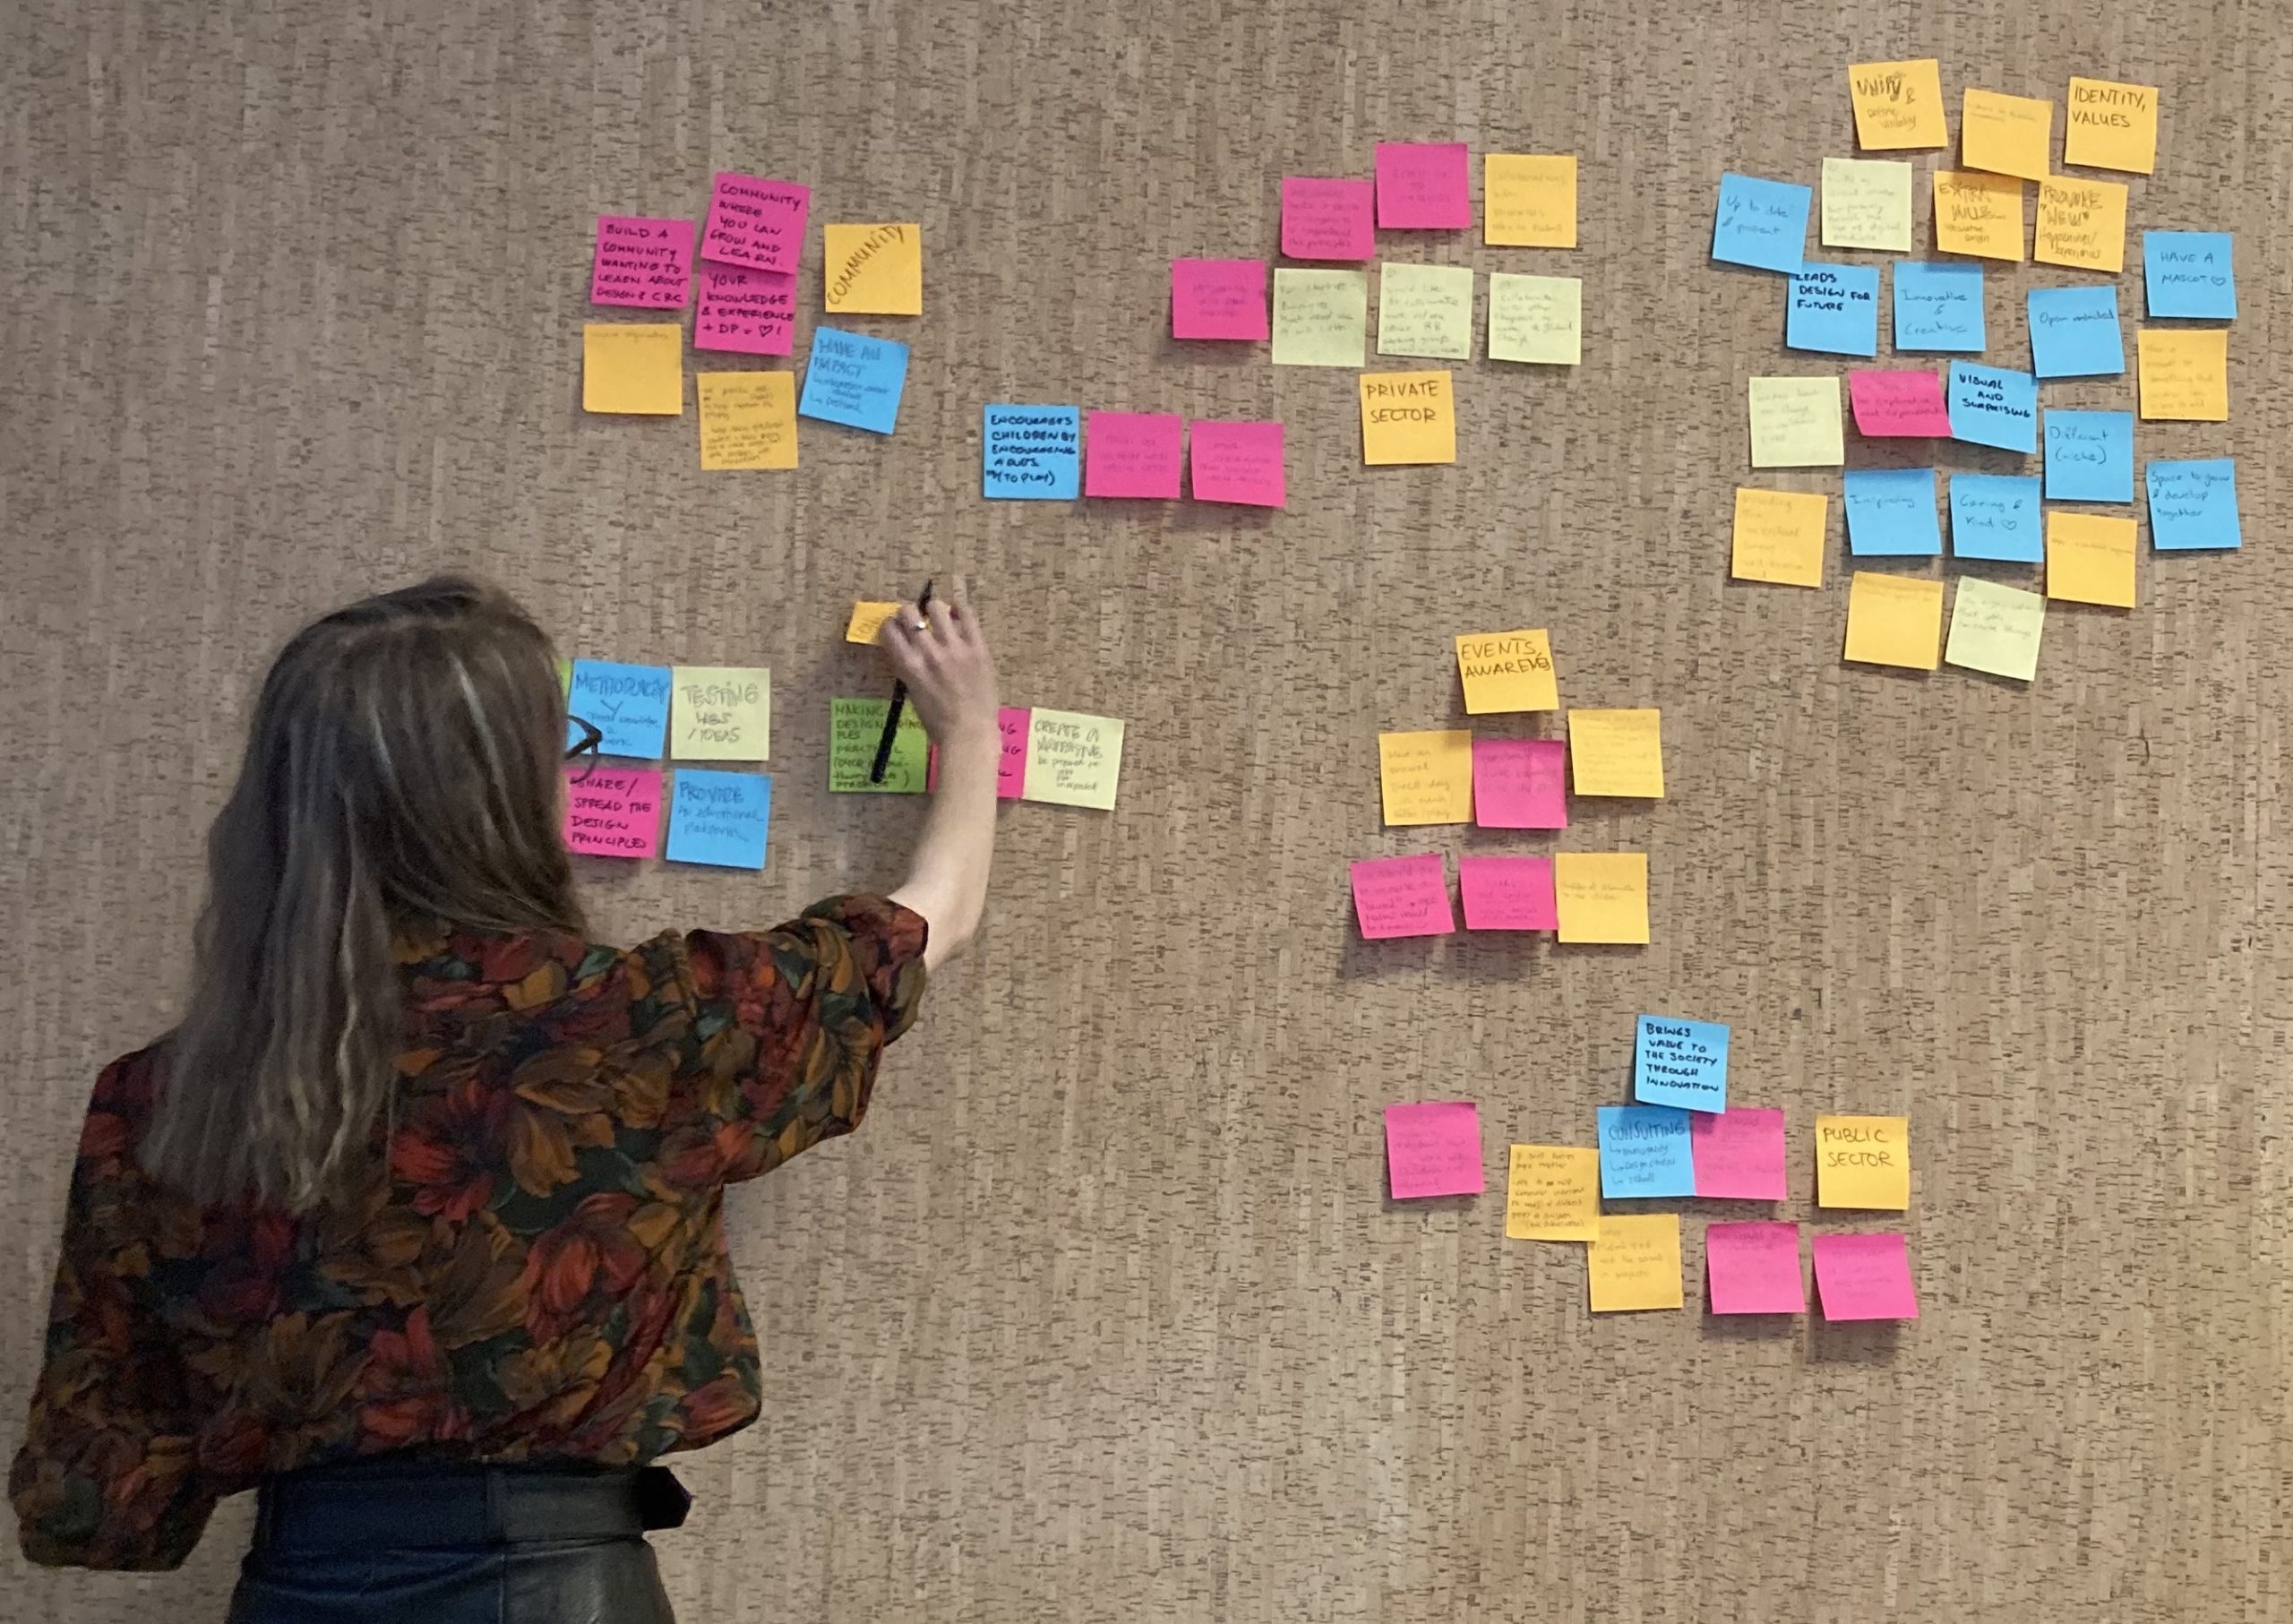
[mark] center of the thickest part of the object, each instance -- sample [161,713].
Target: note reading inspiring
[1898,104]
[2185,373]
[1891,513]
[1073,760]
[2194,504]
[854,727]
[1425,310]
[1236,462]
[720,713]
[2189,275]
[1795,423]
[1996,516]
[1995,629]
[1938,306]
[633,366]
[1679,1062]
[2089,456]
[1322,318]
[2090,559]
[1218,299]
[1134,454]
[1408,417]
[756,223]
[1761,223]
[1898,405]
[2080,223]
[2112,126]
[1402,896]
[1779,537]
[615,812]
[2007,135]
[1031,453]
[1865,1277]
[1617,752]
[1433,1149]
[1979,214]
[1520,784]
[1507,893]
[641,262]
[2074,332]
[1863,1161]
[1833,308]
[1506,670]
[1894,620]
[1528,200]
[1634,1264]
[1552,1192]
[1753,1268]
[719,818]
[1538,319]
[629,705]
[1739,1152]
[1866,205]
[1601,897]
[1426,777]
[873,270]
[853,380]
[1326,219]
[749,313]
[1992,406]
[748,419]
[1423,186]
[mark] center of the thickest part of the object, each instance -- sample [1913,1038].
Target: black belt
[410,1505]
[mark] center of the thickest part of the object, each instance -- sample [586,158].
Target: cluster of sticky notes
[687,713]
[1580,896]
[1048,453]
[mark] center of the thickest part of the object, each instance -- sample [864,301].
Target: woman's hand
[942,657]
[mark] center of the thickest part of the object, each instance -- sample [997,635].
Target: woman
[416,1220]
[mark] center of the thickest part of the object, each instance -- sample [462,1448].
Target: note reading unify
[1898,104]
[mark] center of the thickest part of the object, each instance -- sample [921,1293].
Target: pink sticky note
[1865,1277]
[1328,220]
[641,262]
[1507,893]
[1898,404]
[1133,453]
[613,812]
[753,311]
[756,223]
[1013,722]
[1423,186]
[1753,1268]
[1520,784]
[1237,462]
[1402,897]
[1433,1149]
[1739,1152]
[1218,299]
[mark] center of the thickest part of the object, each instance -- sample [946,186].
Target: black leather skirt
[382,1542]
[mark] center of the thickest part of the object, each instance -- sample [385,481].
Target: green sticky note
[1995,629]
[1538,318]
[1322,318]
[564,677]
[1425,310]
[853,728]
[1073,760]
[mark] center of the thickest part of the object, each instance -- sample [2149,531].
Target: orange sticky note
[866,617]
[1407,417]
[1528,200]
[1894,620]
[1979,214]
[1617,752]
[633,366]
[873,270]
[1898,104]
[1552,1192]
[1635,1262]
[1602,896]
[2007,135]
[2185,373]
[1863,1161]
[2090,559]
[2111,126]
[1426,777]
[1779,537]
[2080,223]
[748,419]
[1506,670]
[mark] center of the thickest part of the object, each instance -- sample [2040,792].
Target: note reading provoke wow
[1761,223]
[1753,1268]
[1634,1264]
[1681,1062]
[1506,670]
[1996,516]
[2185,373]
[615,812]
[1898,105]
[1617,752]
[749,313]
[1425,310]
[1073,760]
[748,419]
[2080,223]
[2074,332]
[867,617]
[720,713]
[1520,784]
[1866,205]
[1979,214]
[1779,537]
[1833,308]
[2089,456]
[1938,306]
[633,366]
[873,270]
[1536,320]
[2111,126]
[641,262]
[1992,406]
[1407,417]
[2194,504]
[2189,275]
[1326,219]
[853,380]
[1601,897]
[1795,423]
[2090,559]
[1426,777]
[756,223]
[2007,135]
[1644,1152]
[1507,893]
[629,705]
[1528,200]
[1218,299]
[1739,1152]
[1030,454]
[854,728]
[719,818]
[1891,513]
[1552,1192]
[1894,620]
[1134,454]
[1433,1149]
[1995,629]
[1864,1277]
[1423,186]
[1898,405]
[1236,462]
[1402,896]
[1863,1161]
[1322,318]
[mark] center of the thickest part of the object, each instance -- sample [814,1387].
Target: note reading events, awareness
[1433,1149]
[613,811]
[854,727]
[873,270]
[756,223]
[1504,671]
[1031,453]
[720,819]
[1239,463]
[1408,417]
[1634,1264]
[748,419]
[1520,784]
[1073,760]
[1779,537]
[721,713]
[1396,896]
[853,380]
[1552,1192]
[642,262]
[1753,1268]
[750,312]
[1679,1062]
[1863,1161]
[628,705]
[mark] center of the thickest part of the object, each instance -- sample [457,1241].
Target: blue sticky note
[1891,513]
[2074,332]
[1031,453]
[2189,273]
[2194,504]
[719,818]
[1990,406]
[2090,456]
[1938,306]
[1644,1152]
[1833,308]
[853,380]
[628,704]
[1996,516]
[1679,1062]
[1761,223]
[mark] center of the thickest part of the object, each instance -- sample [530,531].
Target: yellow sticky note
[1995,629]
[1979,214]
[1635,1262]
[1528,200]
[1780,537]
[1617,752]
[1552,1192]
[2112,126]
[1602,896]
[1407,417]
[1796,424]
[1898,105]
[2007,135]
[1894,620]
[633,366]
[1425,310]
[2090,559]
[1073,759]
[1863,1161]
[1506,670]
[748,419]
[1866,203]
[2184,374]
[1426,777]
[866,617]
[1322,318]
[1538,318]
[873,270]
[720,713]
[2080,223]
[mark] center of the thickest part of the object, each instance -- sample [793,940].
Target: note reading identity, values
[750,312]
[1134,454]
[1537,320]
[642,262]
[2111,126]
[719,818]
[1863,1161]
[756,223]
[1753,1268]
[1520,784]
[1679,1062]
[748,419]
[1898,104]
[629,705]
[1031,453]
[853,380]
[1218,299]
[1402,896]
[1507,893]
[2090,559]
[1634,1264]
[633,366]
[1408,417]
[615,811]
[1528,200]
[2194,504]
[873,270]
[1601,897]
[1322,318]
[1739,1152]
[1433,1149]
[1894,620]
[1326,219]
[854,728]
[720,713]
[1552,1192]
[1617,752]
[1426,777]
[1073,760]
[1865,1277]
[1506,670]
[1995,629]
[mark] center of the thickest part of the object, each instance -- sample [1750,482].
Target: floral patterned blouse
[540,1273]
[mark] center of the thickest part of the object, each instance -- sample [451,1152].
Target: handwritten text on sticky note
[1423,186]
[629,705]
[756,223]
[719,818]
[1425,310]
[641,262]
[1433,1149]
[1426,777]
[2111,126]
[1322,318]
[1898,404]
[1865,1277]
[1218,299]
[1739,1152]
[853,380]
[1635,1265]
[1979,214]
[748,419]
[1402,896]
[721,713]
[1506,893]
[854,729]
[1528,200]
[1537,320]
[1030,454]
[1552,1192]
[2184,375]
[1779,537]
[1644,1152]
[750,312]
[1995,629]
[1894,620]
[1520,784]
[1326,219]
[1601,897]
[1617,752]
[615,812]
[1898,104]
[1863,1161]
[1133,454]
[1679,1062]
[1795,423]
[1506,670]
[1073,760]
[633,366]
[1866,205]
[1236,462]
[1753,1268]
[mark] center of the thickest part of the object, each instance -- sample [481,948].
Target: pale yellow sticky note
[2185,373]
[1796,423]
[720,713]
[1407,417]
[1528,200]
[2080,223]
[1322,318]
[1979,214]
[873,270]
[1894,620]
[1552,1192]
[1537,319]
[1780,537]
[1425,310]
[1617,752]
[1602,896]
[633,366]
[748,419]
[2112,126]
[1866,205]
[1073,760]
[1995,629]
[1863,1161]
[1426,777]
[1634,1263]
[2007,135]
[1506,670]
[1898,105]
[867,616]
[2090,559]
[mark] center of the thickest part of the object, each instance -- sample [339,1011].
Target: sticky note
[1402,896]
[1737,1153]
[2089,456]
[1236,462]
[853,380]
[748,419]
[628,704]
[1866,205]
[1552,1192]
[1996,516]
[720,713]
[1795,423]
[1423,186]
[750,312]
[1407,417]
[1507,893]
[1894,620]
[1528,200]
[1753,1268]
[1864,1277]
[854,728]
[1322,318]
[2090,559]
[1030,454]
[2189,275]
[1760,223]
[873,270]
[1073,760]
[2074,332]
[1635,1265]
[1218,299]
[1426,777]
[2193,505]
[1679,1062]
[1015,724]
[1506,670]
[1898,104]
[641,262]
[1644,1152]
[2111,126]
[564,676]
[2185,373]
[1833,308]
[719,818]
[1898,405]
[1617,752]
[1779,537]
[2007,135]
[1979,214]
[1891,513]
[1425,310]
[2080,223]
[1995,629]
[1990,406]
[1134,454]
[1325,219]
[756,223]
[1601,897]
[1538,320]
[867,616]
[633,366]
[615,812]
[1863,1161]
[1433,1149]
[1519,784]
[1938,306]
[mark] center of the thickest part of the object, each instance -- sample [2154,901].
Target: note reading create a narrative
[2194,504]
[873,270]
[1402,896]
[1528,200]
[853,380]
[628,705]
[1236,462]
[1322,318]
[2185,373]
[1433,1149]
[1537,320]
[1779,537]
[1898,104]
[756,223]
[1425,310]
[1426,777]
[748,419]
[613,811]
[633,366]
[1979,214]
[1865,1277]
[1617,752]
[1506,670]
[1894,620]
[720,713]
[1634,1264]
[641,262]
[1863,1161]
[2111,126]
[1866,205]
[1218,299]
[1520,784]
[1073,760]
[1644,1152]
[1133,454]
[1679,1062]
[1753,1268]
[1995,629]
[1739,1152]
[1408,417]
[1795,423]
[1552,1192]
[720,819]
[1601,897]
[2090,559]
[1507,893]
[749,313]
[854,729]
[2007,135]
[1031,453]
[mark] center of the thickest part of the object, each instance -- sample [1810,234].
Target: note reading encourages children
[1031,453]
